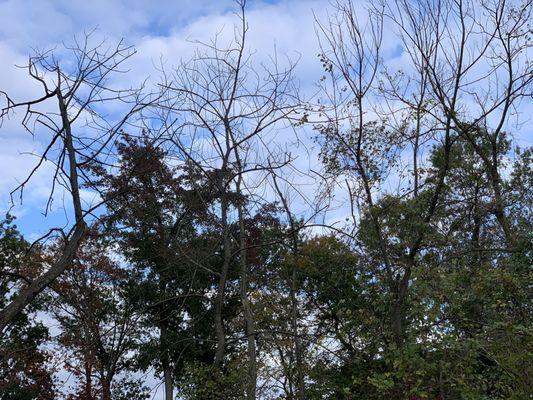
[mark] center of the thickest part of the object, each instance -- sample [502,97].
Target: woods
[230,235]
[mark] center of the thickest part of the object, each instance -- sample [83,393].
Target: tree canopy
[196,264]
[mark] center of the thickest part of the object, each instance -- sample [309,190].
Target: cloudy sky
[161,31]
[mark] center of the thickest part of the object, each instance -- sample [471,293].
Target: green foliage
[127,389]
[25,369]
[203,382]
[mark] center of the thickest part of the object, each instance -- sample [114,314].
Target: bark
[251,387]
[300,382]
[499,207]
[106,388]
[88,379]
[29,292]
[398,309]
[167,370]
[221,291]
[167,376]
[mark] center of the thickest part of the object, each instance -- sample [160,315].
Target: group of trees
[195,262]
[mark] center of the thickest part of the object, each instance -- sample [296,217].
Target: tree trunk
[106,389]
[88,378]
[297,342]
[221,291]
[397,323]
[167,370]
[251,387]
[398,308]
[29,292]
[300,377]
[167,376]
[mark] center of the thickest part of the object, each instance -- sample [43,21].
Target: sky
[161,31]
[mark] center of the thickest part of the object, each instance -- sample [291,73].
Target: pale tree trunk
[167,370]
[251,386]
[300,376]
[221,291]
[300,382]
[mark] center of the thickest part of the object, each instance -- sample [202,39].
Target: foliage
[25,368]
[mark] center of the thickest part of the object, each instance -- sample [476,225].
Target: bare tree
[351,56]
[368,145]
[67,118]
[468,72]
[228,107]
[477,61]
[295,312]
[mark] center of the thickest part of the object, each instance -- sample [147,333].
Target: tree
[78,94]
[156,213]
[221,98]
[25,369]
[98,325]
[403,271]
[416,110]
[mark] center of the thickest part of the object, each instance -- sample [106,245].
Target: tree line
[209,256]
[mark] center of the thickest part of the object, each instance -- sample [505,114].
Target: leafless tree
[68,118]
[476,56]
[227,107]
[295,308]
[351,55]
